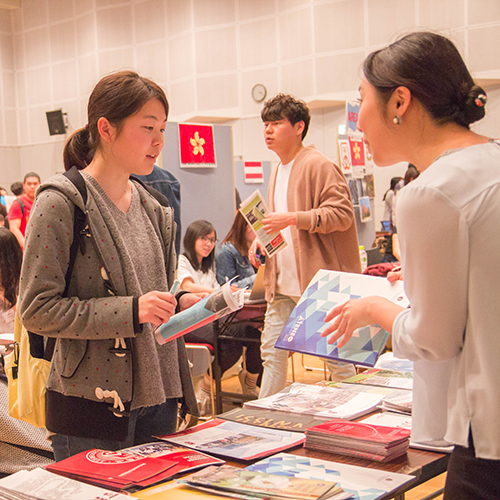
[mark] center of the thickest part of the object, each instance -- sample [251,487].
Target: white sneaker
[204,403]
[250,391]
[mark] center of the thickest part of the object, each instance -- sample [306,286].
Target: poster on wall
[345,156]
[197,148]
[357,149]
[254,173]
[369,186]
[352,112]
[353,188]
[365,211]
[369,163]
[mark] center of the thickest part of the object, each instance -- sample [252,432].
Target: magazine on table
[219,303]
[388,361]
[254,209]
[243,483]
[359,439]
[235,440]
[327,289]
[271,419]
[362,483]
[319,401]
[389,419]
[385,378]
[40,484]
[387,392]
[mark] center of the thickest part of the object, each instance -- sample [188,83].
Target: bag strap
[159,197]
[80,230]
[21,205]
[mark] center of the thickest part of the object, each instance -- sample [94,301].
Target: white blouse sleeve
[434,237]
[185,270]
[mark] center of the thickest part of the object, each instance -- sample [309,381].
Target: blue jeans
[144,423]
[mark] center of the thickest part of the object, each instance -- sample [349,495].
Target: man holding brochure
[310,203]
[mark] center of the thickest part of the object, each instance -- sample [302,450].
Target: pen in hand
[174,287]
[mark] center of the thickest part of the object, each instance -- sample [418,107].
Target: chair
[208,351]
[373,256]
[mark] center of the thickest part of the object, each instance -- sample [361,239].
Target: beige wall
[208,54]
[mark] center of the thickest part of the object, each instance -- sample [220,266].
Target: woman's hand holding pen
[156,307]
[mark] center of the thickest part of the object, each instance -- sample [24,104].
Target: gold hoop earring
[396,120]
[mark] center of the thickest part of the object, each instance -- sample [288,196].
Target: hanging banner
[254,173]
[345,156]
[197,147]
[352,112]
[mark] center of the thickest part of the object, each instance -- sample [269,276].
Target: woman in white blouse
[417,102]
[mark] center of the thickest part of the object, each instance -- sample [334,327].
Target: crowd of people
[417,101]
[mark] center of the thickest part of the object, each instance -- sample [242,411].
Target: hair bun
[475,104]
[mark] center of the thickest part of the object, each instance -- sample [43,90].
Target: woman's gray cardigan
[89,320]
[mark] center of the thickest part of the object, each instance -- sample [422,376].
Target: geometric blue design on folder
[302,332]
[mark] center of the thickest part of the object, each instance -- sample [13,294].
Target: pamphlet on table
[271,419]
[249,484]
[219,303]
[40,484]
[359,439]
[327,289]
[319,401]
[234,440]
[254,209]
[362,483]
[385,378]
[132,468]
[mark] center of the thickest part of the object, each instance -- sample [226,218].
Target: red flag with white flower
[197,145]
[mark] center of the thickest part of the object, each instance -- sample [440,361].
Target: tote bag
[26,378]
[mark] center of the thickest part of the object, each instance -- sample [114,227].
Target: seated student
[11,257]
[22,446]
[231,258]
[196,274]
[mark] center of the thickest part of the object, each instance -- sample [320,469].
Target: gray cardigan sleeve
[89,312]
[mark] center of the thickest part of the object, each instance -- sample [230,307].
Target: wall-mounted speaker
[55,120]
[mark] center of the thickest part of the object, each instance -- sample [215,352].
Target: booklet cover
[233,480]
[231,439]
[219,303]
[384,378]
[254,209]
[362,483]
[319,401]
[271,419]
[302,332]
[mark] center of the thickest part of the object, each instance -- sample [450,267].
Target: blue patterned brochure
[362,483]
[302,332]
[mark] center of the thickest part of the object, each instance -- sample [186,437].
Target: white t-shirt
[186,270]
[287,282]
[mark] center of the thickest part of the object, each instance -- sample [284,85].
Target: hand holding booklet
[327,289]
[254,209]
[218,304]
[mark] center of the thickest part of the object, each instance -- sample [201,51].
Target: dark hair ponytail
[431,67]
[77,150]
[115,97]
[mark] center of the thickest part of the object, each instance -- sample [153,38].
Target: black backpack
[38,348]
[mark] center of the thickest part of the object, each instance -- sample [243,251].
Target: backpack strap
[21,205]
[80,232]
[159,197]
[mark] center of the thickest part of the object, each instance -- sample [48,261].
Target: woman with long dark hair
[196,273]
[11,257]
[232,256]
[417,103]
[110,384]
